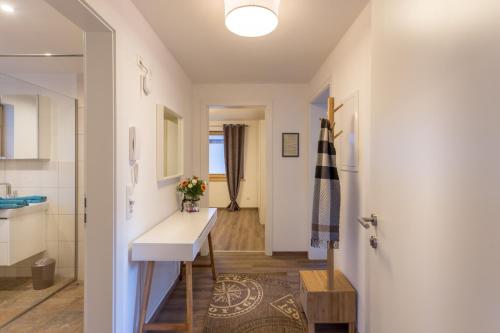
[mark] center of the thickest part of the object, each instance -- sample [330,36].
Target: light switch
[130,200]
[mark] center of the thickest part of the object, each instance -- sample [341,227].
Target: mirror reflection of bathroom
[37,194]
[41,166]
[39,197]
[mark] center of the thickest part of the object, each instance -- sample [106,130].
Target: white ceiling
[194,31]
[240,113]
[35,27]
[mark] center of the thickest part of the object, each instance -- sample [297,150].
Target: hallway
[238,231]
[358,137]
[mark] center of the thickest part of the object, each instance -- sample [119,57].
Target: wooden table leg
[145,295]
[311,327]
[352,327]
[212,262]
[182,271]
[330,262]
[189,296]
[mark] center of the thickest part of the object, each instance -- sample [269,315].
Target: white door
[435,179]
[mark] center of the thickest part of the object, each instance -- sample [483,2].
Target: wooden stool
[324,306]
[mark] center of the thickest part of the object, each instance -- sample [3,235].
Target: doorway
[39,130]
[38,216]
[241,230]
[99,147]
[317,110]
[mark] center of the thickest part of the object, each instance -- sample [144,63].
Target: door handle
[366,221]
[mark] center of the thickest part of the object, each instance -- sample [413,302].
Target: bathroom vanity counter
[30,209]
[22,233]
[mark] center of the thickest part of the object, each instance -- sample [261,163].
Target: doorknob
[373,242]
[366,221]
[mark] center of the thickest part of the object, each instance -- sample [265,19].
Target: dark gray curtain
[234,143]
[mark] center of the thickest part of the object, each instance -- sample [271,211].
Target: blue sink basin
[19,202]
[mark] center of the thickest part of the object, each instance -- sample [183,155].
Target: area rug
[254,303]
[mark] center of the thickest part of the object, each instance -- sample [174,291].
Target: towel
[12,205]
[31,198]
[15,201]
[326,201]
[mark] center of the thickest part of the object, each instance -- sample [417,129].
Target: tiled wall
[55,178]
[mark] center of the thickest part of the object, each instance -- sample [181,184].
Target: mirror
[25,127]
[169,143]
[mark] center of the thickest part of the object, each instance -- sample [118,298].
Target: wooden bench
[322,305]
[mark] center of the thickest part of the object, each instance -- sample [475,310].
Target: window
[216,165]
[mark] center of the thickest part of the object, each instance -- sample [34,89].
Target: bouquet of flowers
[192,189]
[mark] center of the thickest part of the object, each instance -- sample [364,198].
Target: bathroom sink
[29,209]
[22,233]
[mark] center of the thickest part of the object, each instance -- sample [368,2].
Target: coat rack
[330,252]
[321,301]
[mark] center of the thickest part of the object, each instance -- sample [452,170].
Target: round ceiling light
[249,18]
[7,8]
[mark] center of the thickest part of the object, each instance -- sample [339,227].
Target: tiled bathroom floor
[17,295]
[63,312]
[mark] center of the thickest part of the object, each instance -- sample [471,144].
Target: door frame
[312,253]
[100,178]
[204,131]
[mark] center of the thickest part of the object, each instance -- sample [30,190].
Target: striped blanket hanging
[326,201]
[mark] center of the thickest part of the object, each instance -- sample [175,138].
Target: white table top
[178,238]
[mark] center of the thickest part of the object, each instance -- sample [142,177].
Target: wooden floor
[17,296]
[174,308]
[238,231]
[61,313]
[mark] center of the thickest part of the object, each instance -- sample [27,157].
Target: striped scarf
[326,202]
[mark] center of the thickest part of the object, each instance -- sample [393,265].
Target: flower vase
[190,204]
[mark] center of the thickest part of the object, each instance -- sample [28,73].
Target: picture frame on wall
[290,144]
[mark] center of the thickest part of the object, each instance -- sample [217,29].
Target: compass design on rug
[234,295]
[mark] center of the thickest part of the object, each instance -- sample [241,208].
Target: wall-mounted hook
[146,84]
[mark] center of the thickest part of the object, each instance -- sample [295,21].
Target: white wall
[289,103]
[248,195]
[263,172]
[54,178]
[348,70]
[154,201]
[435,166]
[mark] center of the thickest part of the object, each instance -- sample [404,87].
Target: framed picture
[290,144]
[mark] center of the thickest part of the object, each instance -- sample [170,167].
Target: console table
[178,238]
